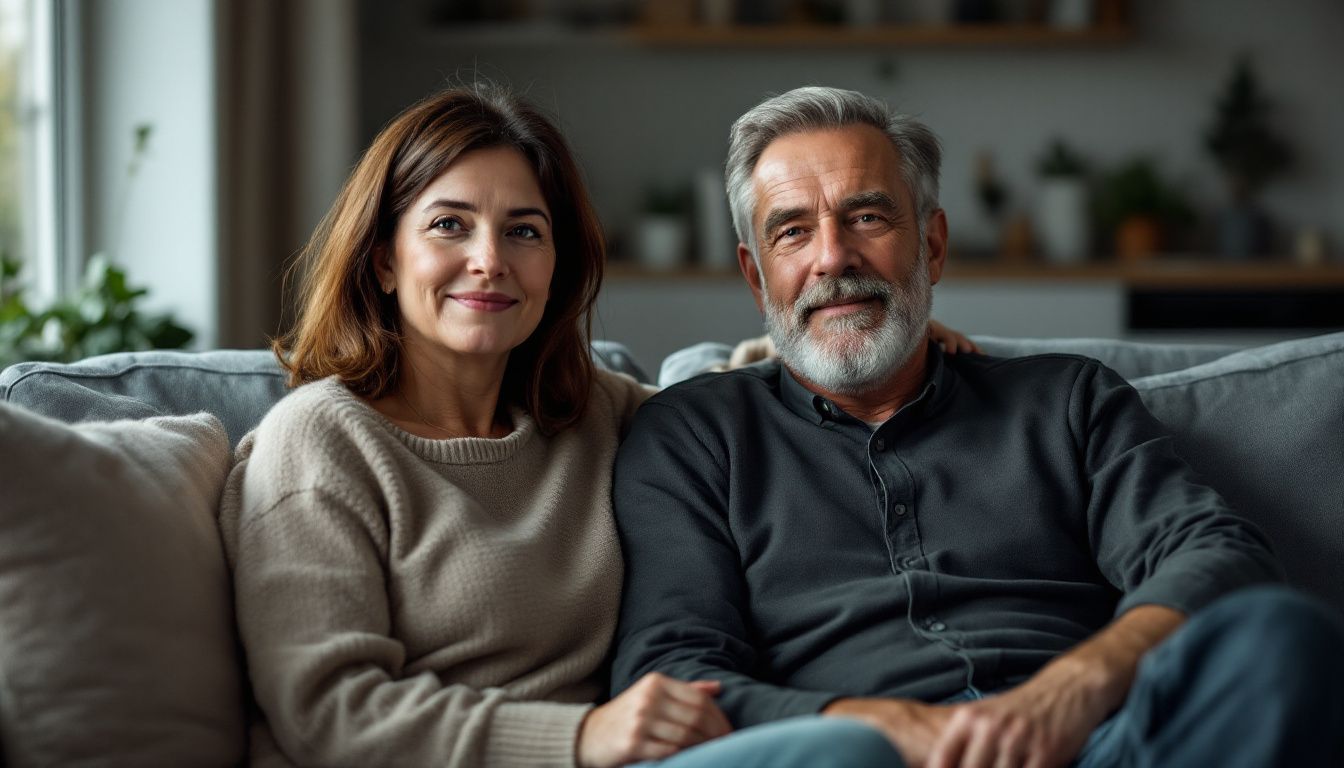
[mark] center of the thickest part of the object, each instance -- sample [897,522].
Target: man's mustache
[835,290]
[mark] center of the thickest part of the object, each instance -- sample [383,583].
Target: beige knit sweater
[405,601]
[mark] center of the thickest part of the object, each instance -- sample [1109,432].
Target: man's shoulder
[720,396]
[1052,367]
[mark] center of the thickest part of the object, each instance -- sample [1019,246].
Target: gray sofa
[1265,426]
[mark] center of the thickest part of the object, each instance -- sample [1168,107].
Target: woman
[426,568]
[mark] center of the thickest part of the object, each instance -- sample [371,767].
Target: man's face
[845,271]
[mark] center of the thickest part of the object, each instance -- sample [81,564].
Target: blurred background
[1128,169]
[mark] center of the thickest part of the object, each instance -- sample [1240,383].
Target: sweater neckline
[452,450]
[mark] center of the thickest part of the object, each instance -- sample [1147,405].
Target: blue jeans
[798,742]
[1254,679]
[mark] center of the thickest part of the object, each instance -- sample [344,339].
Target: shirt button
[899,509]
[880,444]
[937,626]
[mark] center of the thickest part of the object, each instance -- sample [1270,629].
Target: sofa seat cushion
[1265,427]
[116,624]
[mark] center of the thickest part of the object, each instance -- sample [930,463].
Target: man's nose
[836,251]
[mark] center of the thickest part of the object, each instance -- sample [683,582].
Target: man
[972,555]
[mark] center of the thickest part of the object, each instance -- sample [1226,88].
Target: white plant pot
[1061,221]
[661,241]
[1071,14]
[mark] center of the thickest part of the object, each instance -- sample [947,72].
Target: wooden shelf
[793,36]
[887,36]
[1162,272]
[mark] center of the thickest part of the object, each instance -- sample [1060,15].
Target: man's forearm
[1104,665]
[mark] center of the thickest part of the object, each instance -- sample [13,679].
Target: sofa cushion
[238,386]
[1130,359]
[116,625]
[1265,427]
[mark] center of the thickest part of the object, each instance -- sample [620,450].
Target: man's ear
[748,266]
[935,240]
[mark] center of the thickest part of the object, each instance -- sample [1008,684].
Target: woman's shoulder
[616,396]
[320,409]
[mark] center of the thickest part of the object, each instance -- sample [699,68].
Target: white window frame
[49,113]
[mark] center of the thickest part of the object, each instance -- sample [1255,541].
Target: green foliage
[1136,189]
[1250,152]
[1061,161]
[101,318]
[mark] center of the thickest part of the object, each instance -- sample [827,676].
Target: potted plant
[1062,216]
[663,237]
[1250,154]
[1140,209]
[102,317]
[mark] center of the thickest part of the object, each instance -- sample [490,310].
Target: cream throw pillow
[116,624]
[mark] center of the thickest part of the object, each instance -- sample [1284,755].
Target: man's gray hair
[816,108]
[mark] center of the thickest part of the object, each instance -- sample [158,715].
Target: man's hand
[1042,723]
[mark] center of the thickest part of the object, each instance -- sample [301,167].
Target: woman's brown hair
[348,328]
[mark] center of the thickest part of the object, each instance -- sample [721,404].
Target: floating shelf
[793,36]
[1161,272]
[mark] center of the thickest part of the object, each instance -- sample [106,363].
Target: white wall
[152,61]
[636,114]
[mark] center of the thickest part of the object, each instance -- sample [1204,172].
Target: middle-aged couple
[869,552]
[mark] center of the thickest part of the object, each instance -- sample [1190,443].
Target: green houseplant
[103,316]
[1140,209]
[1251,154]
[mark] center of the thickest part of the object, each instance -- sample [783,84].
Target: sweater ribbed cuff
[534,733]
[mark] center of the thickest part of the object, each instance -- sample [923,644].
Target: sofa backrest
[238,386]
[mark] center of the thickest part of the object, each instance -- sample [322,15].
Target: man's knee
[839,743]
[1279,637]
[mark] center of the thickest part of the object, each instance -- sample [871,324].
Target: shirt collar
[819,410]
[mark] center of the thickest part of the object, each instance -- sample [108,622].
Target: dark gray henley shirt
[1014,508]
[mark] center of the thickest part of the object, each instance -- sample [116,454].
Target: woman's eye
[526,231]
[448,224]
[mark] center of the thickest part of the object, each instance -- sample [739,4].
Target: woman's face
[472,258]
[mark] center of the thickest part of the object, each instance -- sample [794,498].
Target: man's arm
[1167,541]
[1043,722]
[684,605]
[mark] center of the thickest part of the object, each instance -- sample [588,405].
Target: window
[12,28]
[29,142]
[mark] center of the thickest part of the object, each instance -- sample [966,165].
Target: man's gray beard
[862,350]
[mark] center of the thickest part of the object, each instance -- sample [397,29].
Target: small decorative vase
[1243,232]
[1061,220]
[662,241]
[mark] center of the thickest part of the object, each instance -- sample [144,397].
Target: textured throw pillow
[116,632]
[1266,428]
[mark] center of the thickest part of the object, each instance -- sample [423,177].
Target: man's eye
[792,232]
[869,218]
